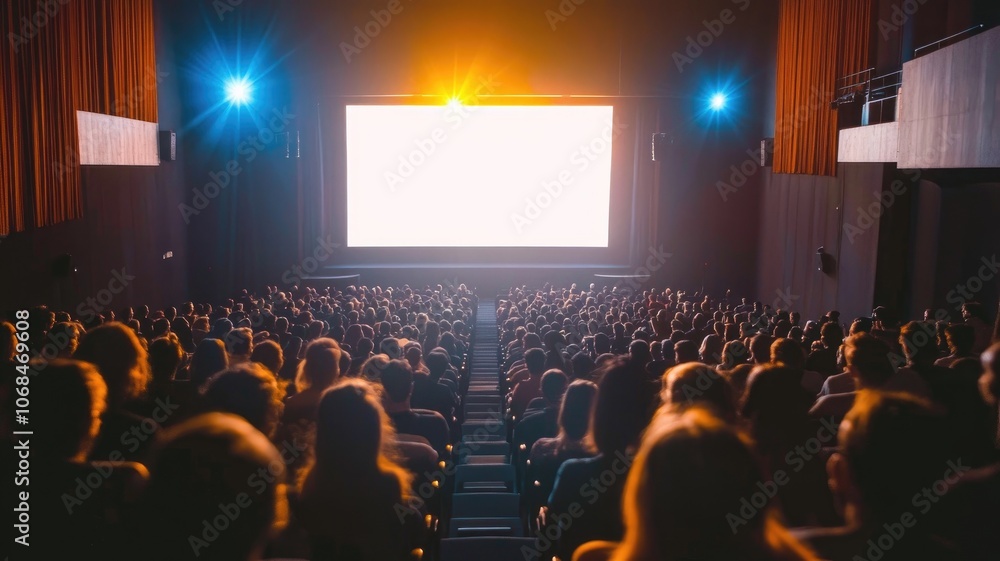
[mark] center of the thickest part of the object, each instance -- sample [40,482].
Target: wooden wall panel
[949,113]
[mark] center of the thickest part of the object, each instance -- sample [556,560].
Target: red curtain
[91,55]
[819,41]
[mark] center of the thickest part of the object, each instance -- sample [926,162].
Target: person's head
[364,348]
[239,342]
[397,381]
[66,336]
[831,334]
[165,356]
[734,353]
[695,384]
[534,361]
[354,437]
[321,366]
[760,348]
[973,309]
[116,352]
[775,404]
[210,357]
[710,351]
[437,363]
[685,351]
[961,338]
[583,365]
[390,346]
[268,353]
[68,399]
[576,410]
[639,351]
[689,472]
[248,390]
[918,341]
[210,460]
[867,359]
[989,382]
[890,446]
[788,353]
[623,406]
[553,386]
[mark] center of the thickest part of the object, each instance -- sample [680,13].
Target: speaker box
[62,266]
[766,152]
[168,146]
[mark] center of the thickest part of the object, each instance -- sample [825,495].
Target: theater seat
[487,549]
[485,527]
[485,505]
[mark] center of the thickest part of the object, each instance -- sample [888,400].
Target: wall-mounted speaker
[168,146]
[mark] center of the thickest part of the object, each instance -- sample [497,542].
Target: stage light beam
[238,91]
[718,102]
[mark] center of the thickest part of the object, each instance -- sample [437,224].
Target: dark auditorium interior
[524,280]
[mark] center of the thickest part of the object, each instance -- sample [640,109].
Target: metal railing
[938,43]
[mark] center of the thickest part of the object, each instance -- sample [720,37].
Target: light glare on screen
[478,176]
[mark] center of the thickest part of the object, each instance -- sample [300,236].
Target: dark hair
[623,406]
[870,357]
[247,390]
[165,356]
[116,352]
[534,360]
[553,385]
[269,354]
[69,396]
[210,357]
[577,409]
[897,443]
[397,379]
[961,338]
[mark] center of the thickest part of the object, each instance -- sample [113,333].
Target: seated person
[530,387]
[211,468]
[690,470]
[248,390]
[892,449]
[73,519]
[397,383]
[573,440]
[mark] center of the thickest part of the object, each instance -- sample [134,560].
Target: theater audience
[738,415]
[679,499]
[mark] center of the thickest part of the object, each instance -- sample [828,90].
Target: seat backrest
[487,549]
[493,526]
[484,505]
[484,478]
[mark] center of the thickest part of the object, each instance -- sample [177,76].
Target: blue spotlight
[238,91]
[718,102]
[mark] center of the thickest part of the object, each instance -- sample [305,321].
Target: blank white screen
[478,176]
